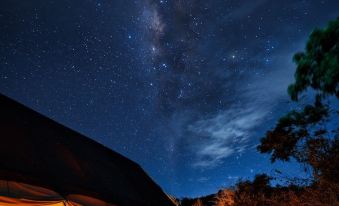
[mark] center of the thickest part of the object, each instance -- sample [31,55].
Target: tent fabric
[8,201]
[82,200]
[25,191]
[38,151]
[15,193]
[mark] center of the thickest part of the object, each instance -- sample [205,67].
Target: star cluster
[183,87]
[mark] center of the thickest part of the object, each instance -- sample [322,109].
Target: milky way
[185,88]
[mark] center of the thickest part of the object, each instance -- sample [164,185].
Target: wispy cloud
[224,134]
[214,94]
[203,179]
[229,131]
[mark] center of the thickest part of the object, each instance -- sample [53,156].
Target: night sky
[186,88]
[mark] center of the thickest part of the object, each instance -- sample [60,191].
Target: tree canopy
[302,134]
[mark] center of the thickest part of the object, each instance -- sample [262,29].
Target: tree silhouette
[304,134]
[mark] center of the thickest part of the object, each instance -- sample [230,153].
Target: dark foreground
[38,151]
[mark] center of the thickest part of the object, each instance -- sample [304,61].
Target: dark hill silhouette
[38,151]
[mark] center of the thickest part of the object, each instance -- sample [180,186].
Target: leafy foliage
[259,192]
[318,66]
[291,129]
[302,134]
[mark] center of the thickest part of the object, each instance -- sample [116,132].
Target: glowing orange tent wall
[14,193]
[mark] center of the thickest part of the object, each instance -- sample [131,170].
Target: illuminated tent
[45,163]
[15,193]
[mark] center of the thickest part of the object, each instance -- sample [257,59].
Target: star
[189,85]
